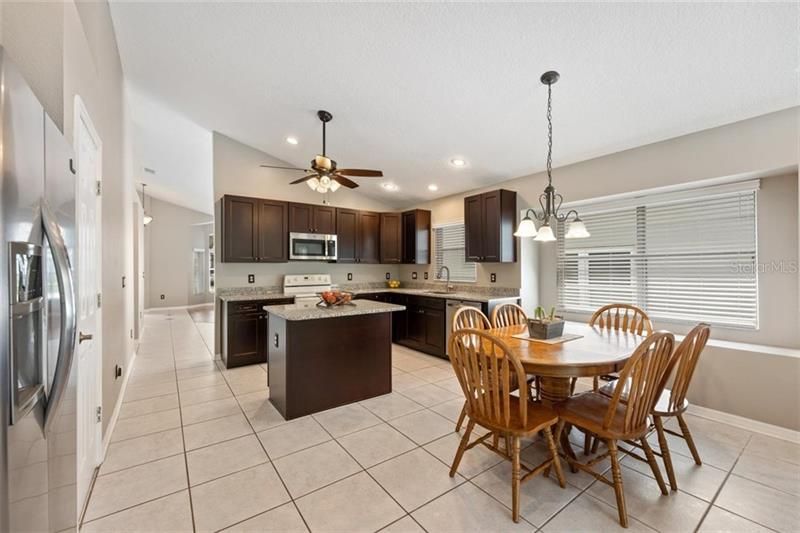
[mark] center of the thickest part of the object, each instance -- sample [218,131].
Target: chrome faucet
[439,275]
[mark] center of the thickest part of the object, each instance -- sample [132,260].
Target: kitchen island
[320,358]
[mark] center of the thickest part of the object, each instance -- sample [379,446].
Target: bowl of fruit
[334,298]
[393,283]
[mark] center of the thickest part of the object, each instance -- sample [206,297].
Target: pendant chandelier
[550,200]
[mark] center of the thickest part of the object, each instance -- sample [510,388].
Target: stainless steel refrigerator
[37,315]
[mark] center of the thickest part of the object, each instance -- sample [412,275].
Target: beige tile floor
[199,448]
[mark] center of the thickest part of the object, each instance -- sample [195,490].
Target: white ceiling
[413,85]
[175,148]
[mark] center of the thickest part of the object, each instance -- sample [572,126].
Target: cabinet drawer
[244,307]
[430,303]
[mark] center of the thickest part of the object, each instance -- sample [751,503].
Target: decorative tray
[555,340]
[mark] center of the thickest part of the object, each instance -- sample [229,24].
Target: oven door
[308,246]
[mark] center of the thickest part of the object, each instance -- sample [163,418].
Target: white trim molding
[749,424]
[115,413]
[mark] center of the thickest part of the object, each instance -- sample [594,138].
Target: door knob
[84,337]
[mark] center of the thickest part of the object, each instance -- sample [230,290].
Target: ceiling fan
[324,176]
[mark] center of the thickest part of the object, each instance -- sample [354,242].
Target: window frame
[639,257]
[435,254]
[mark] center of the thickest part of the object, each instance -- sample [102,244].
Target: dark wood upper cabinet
[273,242]
[417,237]
[358,236]
[391,238]
[325,219]
[368,243]
[307,218]
[347,235]
[301,218]
[489,222]
[254,230]
[473,228]
[239,229]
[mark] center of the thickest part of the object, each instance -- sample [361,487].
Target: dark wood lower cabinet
[245,332]
[321,364]
[421,326]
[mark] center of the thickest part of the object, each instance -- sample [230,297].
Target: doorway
[88,154]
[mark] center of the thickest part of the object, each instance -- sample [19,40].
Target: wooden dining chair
[612,420]
[488,371]
[618,317]
[468,318]
[509,314]
[673,401]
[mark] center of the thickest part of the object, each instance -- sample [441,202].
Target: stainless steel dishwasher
[452,307]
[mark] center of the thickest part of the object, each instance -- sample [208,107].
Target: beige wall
[169,241]
[66,49]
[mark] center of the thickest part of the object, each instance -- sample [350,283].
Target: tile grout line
[269,459]
[183,435]
[722,486]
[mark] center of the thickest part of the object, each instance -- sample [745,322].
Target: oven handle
[69,319]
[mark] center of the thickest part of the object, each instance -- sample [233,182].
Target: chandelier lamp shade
[550,201]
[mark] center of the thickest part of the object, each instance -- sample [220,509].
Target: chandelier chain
[549,134]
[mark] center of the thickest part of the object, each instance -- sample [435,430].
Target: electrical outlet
[349,276]
[425,275]
[493,277]
[117,371]
[162,296]
[251,278]
[388,276]
[413,275]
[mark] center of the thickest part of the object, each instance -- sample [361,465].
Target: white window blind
[683,258]
[449,251]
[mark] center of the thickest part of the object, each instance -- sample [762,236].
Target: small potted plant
[544,326]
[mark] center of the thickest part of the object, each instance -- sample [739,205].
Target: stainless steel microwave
[312,247]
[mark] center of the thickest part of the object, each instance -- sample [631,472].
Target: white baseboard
[115,413]
[749,424]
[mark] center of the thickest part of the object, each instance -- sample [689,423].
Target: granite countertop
[251,296]
[455,295]
[312,312]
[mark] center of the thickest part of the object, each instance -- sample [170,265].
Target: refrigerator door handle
[69,320]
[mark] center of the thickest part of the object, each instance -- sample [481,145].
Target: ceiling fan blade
[350,184]
[303,179]
[285,168]
[360,172]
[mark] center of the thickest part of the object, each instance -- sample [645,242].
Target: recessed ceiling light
[291,140]
[458,162]
[389,186]
[433,187]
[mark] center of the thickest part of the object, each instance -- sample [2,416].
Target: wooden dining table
[596,352]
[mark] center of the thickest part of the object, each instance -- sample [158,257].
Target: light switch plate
[493,277]
[413,275]
[349,276]
[251,278]
[388,275]
[425,275]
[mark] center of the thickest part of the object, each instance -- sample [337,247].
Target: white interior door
[88,150]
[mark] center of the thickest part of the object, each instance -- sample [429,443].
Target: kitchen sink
[439,292]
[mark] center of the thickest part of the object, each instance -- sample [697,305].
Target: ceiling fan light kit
[550,200]
[324,176]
